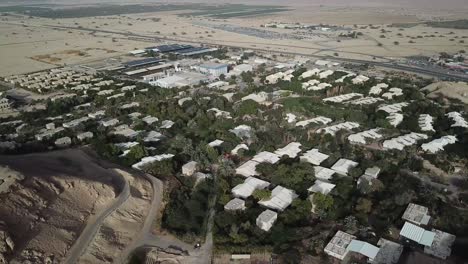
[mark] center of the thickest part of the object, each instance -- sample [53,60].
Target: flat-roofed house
[338,245]
[417,234]
[280,199]
[266,220]
[246,188]
[416,214]
[235,204]
[342,166]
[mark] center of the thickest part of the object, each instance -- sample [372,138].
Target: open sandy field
[31,43]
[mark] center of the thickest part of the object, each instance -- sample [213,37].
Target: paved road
[93,225]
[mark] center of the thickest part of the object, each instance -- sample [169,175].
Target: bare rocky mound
[454,90]
[45,208]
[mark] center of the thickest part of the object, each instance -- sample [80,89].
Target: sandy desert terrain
[31,43]
[61,190]
[119,229]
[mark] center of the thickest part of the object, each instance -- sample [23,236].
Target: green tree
[262,194]
[322,203]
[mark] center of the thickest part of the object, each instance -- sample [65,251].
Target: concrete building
[189,168]
[266,220]
[342,166]
[322,187]
[280,199]
[389,252]
[215,69]
[314,157]
[5,105]
[235,204]
[246,188]
[338,245]
[416,214]
[84,135]
[441,247]
[63,142]
[437,145]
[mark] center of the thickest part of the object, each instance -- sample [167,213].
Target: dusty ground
[452,90]
[120,227]
[46,211]
[31,44]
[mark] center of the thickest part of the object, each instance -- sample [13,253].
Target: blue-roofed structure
[363,248]
[417,234]
[143,62]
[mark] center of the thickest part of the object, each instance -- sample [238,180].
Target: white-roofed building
[84,135]
[403,141]
[335,128]
[242,131]
[149,119]
[360,79]
[338,245]
[248,169]
[425,122]
[393,108]
[220,113]
[63,142]
[266,220]
[458,120]
[323,173]
[366,101]
[362,137]
[416,214]
[166,124]
[266,157]
[325,74]
[342,166]
[235,151]
[309,73]
[291,118]
[321,187]
[280,199]
[313,156]
[342,98]
[320,119]
[148,160]
[215,143]
[189,168]
[235,204]
[395,119]
[130,105]
[291,150]
[437,145]
[392,92]
[417,234]
[109,122]
[377,89]
[247,188]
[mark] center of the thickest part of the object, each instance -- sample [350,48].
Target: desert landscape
[382,33]
[61,194]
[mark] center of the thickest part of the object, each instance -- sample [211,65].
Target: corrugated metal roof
[363,248]
[417,234]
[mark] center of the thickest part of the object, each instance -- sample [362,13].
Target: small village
[295,156]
